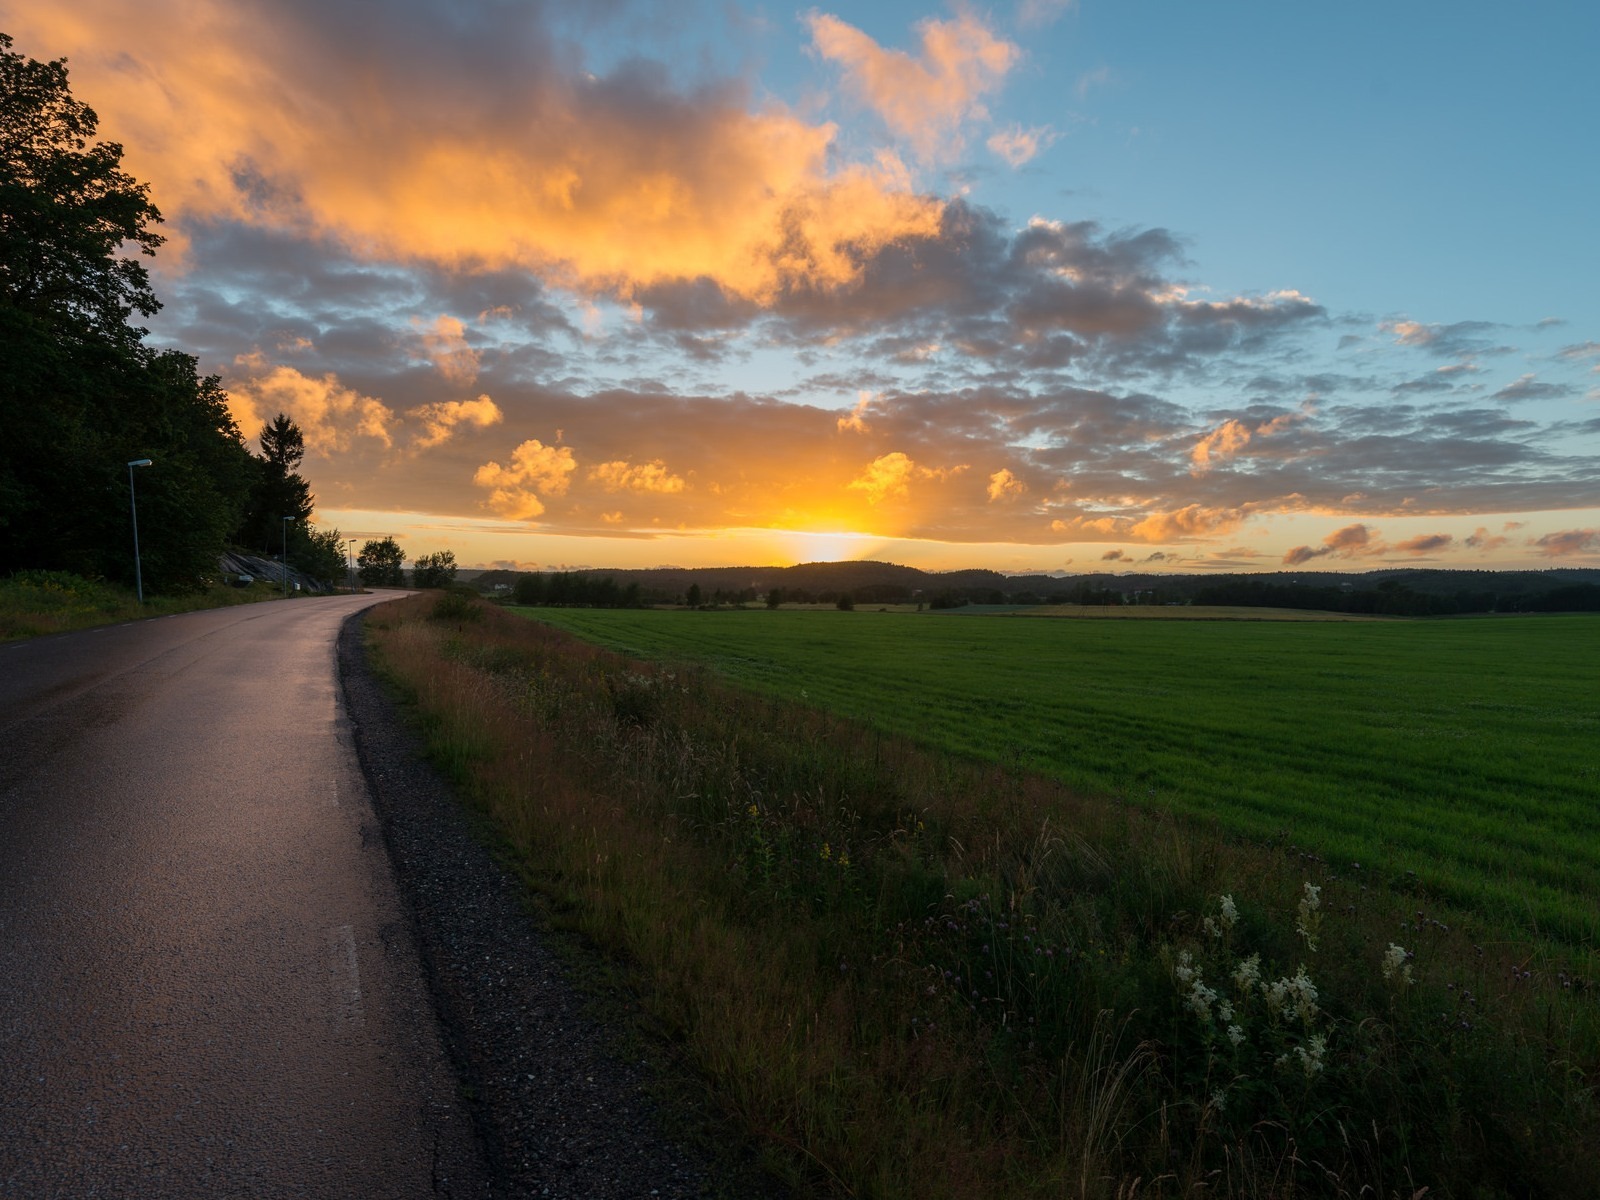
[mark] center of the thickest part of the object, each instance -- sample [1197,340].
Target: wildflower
[1230,914]
[1200,1000]
[1235,1034]
[1395,964]
[1310,918]
[1219,1100]
[827,852]
[1184,970]
[1248,973]
[1225,1011]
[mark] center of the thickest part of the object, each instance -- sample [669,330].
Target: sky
[1055,285]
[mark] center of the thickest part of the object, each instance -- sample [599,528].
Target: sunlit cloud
[856,420]
[1568,542]
[1018,146]
[604,184]
[514,490]
[330,415]
[642,477]
[444,344]
[924,98]
[1003,485]
[441,419]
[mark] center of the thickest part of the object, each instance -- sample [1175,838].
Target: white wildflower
[1212,928]
[1184,970]
[1219,1100]
[1235,1034]
[1225,1011]
[1395,964]
[1248,973]
[1230,914]
[1200,999]
[1310,918]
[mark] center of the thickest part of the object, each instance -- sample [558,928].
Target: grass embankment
[1462,750]
[915,975]
[33,603]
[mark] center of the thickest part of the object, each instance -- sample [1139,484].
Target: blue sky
[1035,286]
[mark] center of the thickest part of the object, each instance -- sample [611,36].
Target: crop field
[1465,751]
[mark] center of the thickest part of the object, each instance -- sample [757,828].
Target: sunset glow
[1038,287]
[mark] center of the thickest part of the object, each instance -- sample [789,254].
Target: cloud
[1527,387]
[441,419]
[386,140]
[1018,146]
[1221,444]
[1003,485]
[330,415]
[1036,14]
[1427,543]
[890,476]
[1348,542]
[644,477]
[1089,80]
[1568,542]
[444,344]
[924,98]
[1114,556]
[535,467]
[856,422]
[1483,541]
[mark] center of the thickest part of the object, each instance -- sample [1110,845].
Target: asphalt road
[208,987]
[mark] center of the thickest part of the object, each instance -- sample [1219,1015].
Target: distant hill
[1398,591]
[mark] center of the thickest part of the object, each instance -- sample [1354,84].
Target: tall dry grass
[917,977]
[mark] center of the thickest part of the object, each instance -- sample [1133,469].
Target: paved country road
[207,985]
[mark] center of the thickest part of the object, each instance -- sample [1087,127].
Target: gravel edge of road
[563,1105]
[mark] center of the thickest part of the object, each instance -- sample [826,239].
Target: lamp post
[352,564]
[133,505]
[286,521]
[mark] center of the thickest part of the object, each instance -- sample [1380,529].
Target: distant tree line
[82,397]
[1392,597]
[575,589]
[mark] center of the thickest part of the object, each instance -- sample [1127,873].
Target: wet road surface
[207,985]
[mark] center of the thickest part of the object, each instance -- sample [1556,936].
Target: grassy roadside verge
[927,978]
[34,603]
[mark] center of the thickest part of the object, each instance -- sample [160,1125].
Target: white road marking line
[346,971]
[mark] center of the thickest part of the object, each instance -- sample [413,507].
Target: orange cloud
[330,415]
[646,477]
[922,99]
[606,185]
[1004,485]
[535,468]
[1348,542]
[1426,543]
[1187,523]
[439,421]
[856,422]
[1221,444]
[890,477]
[444,344]
[1568,543]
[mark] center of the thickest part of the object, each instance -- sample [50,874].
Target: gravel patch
[564,1103]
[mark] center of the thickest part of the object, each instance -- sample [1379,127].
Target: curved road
[207,985]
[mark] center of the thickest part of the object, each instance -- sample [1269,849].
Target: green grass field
[1467,751]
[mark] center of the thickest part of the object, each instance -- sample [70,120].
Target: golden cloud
[922,99]
[605,185]
[646,477]
[444,344]
[330,415]
[535,467]
[440,420]
[1004,485]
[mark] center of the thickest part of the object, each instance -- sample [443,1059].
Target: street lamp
[133,504]
[286,521]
